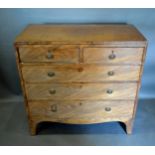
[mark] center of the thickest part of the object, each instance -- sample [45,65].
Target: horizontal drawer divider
[79,63]
[82,82]
[80,100]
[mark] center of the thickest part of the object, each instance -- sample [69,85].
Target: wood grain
[32,125]
[118,34]
[97,91]
[60,54]
[81,112]
[81,56]
[79,73]
[122,55]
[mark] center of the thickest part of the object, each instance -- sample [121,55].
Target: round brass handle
[52,91]
[107,109]
[112,56]
[50,74]
[54,108]
[109,91]
[49,55]
[111,73]
[80,103]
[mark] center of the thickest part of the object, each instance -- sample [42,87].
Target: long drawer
[79,73]
[96,91]
[81,111]
[113,55]
[55,54]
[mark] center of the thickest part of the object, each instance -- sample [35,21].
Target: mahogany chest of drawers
[80,74]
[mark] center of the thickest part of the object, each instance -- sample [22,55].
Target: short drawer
[96,91]
[113,55]
[79,112]
[60,54]
[79,73]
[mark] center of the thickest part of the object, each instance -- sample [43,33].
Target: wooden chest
[80,74]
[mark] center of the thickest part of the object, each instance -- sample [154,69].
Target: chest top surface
[80,34]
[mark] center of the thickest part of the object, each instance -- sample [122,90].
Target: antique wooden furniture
[80,74]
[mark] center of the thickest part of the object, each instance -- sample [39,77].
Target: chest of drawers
[80,74]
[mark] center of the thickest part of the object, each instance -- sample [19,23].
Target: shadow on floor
[99,128]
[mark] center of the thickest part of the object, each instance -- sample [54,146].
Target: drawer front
[113,55]
[108,91]
[61,54]
[80,73]
[81,111]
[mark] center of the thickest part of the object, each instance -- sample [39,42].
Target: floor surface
[14,129]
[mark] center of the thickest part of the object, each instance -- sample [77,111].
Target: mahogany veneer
[80,74]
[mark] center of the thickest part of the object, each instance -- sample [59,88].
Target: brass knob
[109,91]
[49,55]
[112,56]
[111,73]
[107,109]
[52,91]
[50,74]
[80,103]
[80,69]
[54,108]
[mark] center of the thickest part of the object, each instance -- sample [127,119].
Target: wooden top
[80,34]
